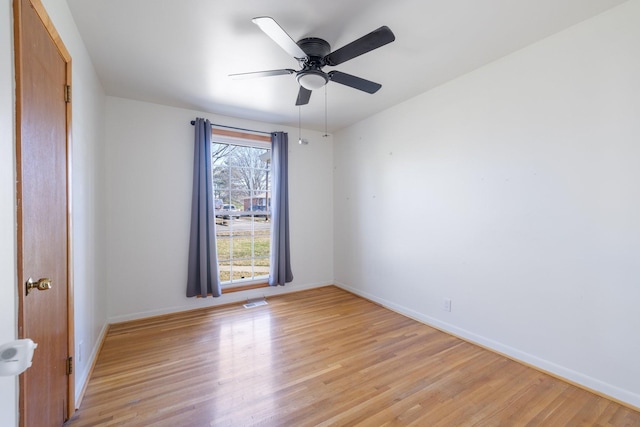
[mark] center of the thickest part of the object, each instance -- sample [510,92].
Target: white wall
[149,178]
[8,325]
[514,191]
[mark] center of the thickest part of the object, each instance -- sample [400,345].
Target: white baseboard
[83,381]
[196,303]
[586,382]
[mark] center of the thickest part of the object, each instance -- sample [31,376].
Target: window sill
[245,287]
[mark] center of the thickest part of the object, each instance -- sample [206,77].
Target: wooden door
[42,153]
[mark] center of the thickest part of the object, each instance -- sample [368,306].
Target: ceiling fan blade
[280,36]
[364,44]
[354,82]
[269,73]
[304,95]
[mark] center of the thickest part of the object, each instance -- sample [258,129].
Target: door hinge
[69,365]
[67,93]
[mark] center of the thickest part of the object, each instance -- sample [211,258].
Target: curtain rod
[193,122]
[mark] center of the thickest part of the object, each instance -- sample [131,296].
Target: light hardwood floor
[318,358]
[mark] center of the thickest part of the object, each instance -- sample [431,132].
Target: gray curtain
[280,270]
[203,277]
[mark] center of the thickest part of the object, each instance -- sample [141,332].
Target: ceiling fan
[313,54]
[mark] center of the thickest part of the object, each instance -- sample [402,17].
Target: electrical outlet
[446,304]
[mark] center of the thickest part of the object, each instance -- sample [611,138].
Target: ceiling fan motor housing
[311,76]
[316,49]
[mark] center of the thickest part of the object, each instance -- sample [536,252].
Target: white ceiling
[180,52]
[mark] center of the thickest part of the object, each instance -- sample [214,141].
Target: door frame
[64,53]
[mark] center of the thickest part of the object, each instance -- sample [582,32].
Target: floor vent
[255,303]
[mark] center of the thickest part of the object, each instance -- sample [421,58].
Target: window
[240,168]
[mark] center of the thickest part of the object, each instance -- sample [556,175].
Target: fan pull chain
[299,125]
[325,112]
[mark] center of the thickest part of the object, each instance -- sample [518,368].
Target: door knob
[41,285]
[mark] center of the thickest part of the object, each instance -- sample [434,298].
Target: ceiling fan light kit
[313,54]
[312,79]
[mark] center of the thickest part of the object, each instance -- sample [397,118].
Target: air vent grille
[255,303]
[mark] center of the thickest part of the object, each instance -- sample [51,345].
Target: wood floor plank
[321,357]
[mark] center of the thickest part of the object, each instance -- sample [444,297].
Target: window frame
[244,139]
